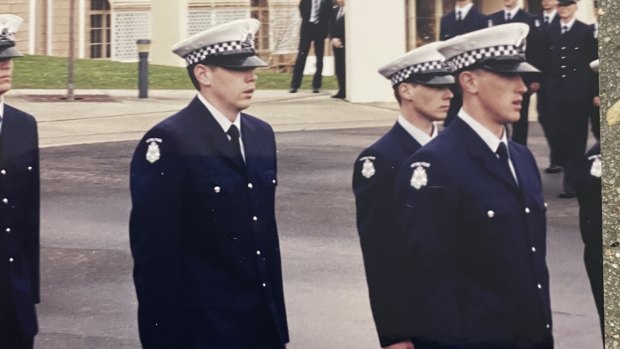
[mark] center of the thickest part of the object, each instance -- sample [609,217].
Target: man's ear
[203,74]
[406,91]
[469,80]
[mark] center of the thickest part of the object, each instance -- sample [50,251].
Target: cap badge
[5,35]
[368,167]
[152,153]
[596,169]
[248,42]
[419,178]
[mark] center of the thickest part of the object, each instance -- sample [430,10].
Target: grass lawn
[43,72]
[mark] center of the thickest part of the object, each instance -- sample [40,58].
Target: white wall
[375,36]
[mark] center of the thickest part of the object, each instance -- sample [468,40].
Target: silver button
[539,286]
[5,200]
[258,252]
[563,47]
[29,168]
[216,189]
[533,249]
[3,172]
[264,284]
[8,230]
[250,185]
[273,181]
[546,205]
[11,260]
[527,210]
[563,75]
[548,325]
[490,213]
[254,218]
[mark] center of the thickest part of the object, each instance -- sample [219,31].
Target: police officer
[543,21]
[511,13]
[473,213]
[421,82]
[464,19]
[19,220]
[570,99]
[591,221]
[202,230]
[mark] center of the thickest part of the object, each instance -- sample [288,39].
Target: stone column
[169,26]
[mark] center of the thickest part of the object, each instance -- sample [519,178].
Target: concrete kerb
[125,117]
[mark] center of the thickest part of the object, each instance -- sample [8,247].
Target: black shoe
[315,90]
[292,90]
[553,169]
[338,95]
[567,195]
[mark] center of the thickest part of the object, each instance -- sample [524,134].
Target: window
[100,25]
[260,11]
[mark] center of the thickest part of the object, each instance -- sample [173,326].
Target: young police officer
[203,230]
[473,211]
[19,221]
[421,82]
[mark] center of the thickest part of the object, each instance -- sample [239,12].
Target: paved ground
[88,296]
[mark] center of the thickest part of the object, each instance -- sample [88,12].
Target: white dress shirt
[417,134]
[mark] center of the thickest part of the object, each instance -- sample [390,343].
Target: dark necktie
[233,132]
[564,29]
[546,19]
[502,153]
[458,15]
[508,17]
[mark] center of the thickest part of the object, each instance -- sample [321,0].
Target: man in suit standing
[464,19]
[543,22]
[473,213]
[421,83]
[570,98]
[19,188]
[314,25]
[595,111]
[513,14]
[336,36]
[202,229]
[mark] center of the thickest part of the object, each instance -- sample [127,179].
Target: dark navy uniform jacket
[203,235]
[449,27]
[476,245]
[375,224]
[19,218]
[570,56]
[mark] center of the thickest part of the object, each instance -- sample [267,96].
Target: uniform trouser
[570,124]
[519,128]
[340,70]
[428,345]
[309,33]
[542,107]
[10,334]
[595,122]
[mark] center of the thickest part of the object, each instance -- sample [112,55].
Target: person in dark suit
[20,194]
[421,84]
[513,14]
[314,26]
[595,111]
[472,211]
[337,38]
[588,190]
[543,21]
[570,98]
[464,19]
[202,229]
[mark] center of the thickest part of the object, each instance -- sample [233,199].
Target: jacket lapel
[481,152]
[213,133]
[407,142]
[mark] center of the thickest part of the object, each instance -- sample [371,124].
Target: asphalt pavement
[88,300]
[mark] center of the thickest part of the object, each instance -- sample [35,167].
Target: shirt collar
[464,10]
[417,134]
[569,24]
[512,12]
[487,136]
[550,14]
[219,117]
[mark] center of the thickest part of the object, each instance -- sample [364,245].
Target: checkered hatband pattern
[425,67]
[472,57]
[216,49]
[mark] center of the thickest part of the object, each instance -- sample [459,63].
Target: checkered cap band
[472,57]
[218,49]
[425,67]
